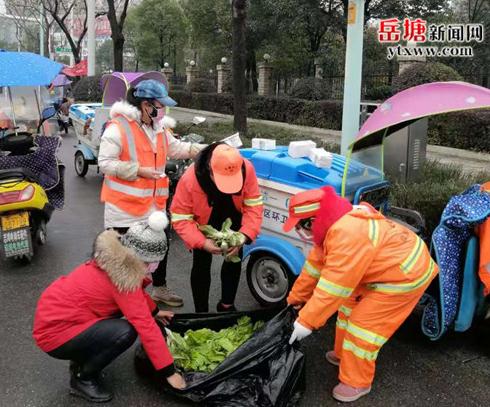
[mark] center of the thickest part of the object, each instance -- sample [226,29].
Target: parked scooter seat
[18,144]
[19,173]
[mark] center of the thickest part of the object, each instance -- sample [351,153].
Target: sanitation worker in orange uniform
[369,269]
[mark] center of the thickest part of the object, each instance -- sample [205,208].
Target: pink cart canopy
[415,103]
[116,84]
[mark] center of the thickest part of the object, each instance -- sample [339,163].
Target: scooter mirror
[48,112]
[198,120]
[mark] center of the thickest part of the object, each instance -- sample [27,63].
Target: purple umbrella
[116,84]
[61,80]
[414,103]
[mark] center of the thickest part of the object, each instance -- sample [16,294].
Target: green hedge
[466,130]
[430,195]
[420,73]
[324,113]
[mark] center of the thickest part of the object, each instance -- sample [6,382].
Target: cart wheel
[81,164]
[268,278]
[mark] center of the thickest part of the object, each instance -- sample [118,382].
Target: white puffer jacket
[110,164]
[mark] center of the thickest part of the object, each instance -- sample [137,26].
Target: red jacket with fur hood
[110,284]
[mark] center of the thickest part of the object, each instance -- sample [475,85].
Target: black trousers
[97,346]
[159,276]
[201,279]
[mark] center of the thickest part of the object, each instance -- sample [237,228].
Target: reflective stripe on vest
[133,156]
[176,217]
[136,197]
[126,189]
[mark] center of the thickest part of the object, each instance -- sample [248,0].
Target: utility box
[405,152]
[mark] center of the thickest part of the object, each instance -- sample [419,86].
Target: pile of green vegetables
[225,238]
[204,349]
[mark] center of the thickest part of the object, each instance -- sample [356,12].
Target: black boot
[88,388]
[221,308]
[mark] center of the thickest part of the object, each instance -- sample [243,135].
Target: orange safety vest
[483,231]
[136,197]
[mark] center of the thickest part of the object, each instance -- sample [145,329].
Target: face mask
[151,267]
[160,114]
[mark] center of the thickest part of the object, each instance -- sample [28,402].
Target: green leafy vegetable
[225,239]
[203,350]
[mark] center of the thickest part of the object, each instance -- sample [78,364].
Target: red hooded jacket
[110,284]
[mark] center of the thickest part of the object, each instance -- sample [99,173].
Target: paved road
[411,370]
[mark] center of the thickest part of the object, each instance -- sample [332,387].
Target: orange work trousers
[365,322]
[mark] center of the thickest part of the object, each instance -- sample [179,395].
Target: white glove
[299,332]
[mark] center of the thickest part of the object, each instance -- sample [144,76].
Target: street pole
[72,32]
[41,30]
[91,37]
[353,74]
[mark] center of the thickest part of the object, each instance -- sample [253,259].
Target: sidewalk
[470,161]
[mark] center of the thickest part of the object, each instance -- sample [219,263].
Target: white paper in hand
[234,140]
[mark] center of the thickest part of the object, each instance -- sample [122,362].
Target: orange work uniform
[371,270]
[483,232]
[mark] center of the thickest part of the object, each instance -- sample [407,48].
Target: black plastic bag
[264,372]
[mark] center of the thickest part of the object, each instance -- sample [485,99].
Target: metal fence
[372,84]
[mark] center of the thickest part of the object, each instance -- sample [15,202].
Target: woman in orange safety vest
[369,269]
[133,152]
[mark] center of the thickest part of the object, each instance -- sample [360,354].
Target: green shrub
[431,195]
[88,89]
[381,92]
[310,89]
[418,74]
[468,130]
[323,113]
[201,85]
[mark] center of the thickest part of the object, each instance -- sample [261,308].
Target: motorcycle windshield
[21,107]
[363,168]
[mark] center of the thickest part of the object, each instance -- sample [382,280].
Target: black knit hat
[148,239]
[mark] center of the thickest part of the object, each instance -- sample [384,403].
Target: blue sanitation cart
[275,259]
[87,119]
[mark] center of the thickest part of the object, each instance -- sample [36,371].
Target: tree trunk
[117,25]
[239,15]
[118,45]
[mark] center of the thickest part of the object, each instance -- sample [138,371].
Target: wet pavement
[411,370]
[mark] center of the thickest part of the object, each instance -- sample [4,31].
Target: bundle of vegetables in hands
[204,349]
[225,239]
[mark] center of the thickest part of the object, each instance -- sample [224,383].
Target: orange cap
[226,164]
[303,205]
